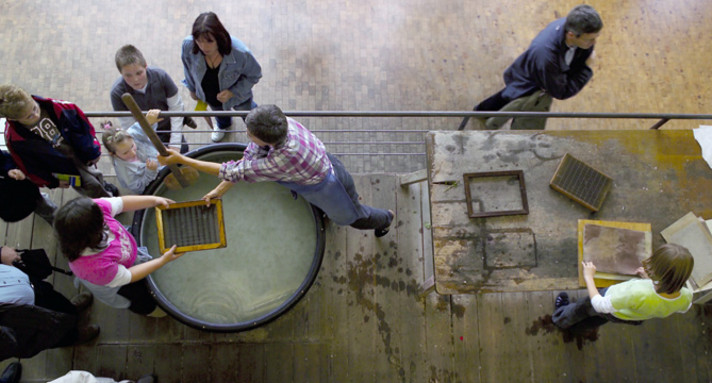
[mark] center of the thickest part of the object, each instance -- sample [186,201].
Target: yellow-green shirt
[637,300]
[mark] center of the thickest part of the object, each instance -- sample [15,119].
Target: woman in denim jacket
[219,70]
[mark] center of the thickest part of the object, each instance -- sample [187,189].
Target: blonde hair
[112,136]
[669,267]
[14,101]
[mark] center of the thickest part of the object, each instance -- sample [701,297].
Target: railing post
[659,124]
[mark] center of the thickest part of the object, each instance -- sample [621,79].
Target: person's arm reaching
[139,202]
[140,271]
[174,157]
[600,303]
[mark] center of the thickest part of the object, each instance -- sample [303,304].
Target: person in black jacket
[25,195]
[35,319]
[557,63]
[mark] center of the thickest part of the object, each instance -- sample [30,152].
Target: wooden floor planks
[365,319]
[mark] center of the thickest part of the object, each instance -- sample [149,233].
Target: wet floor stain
[580,334]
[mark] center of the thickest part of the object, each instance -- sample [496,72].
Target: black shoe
[112,189]
[189,122]
[12,373]
[381,232]
[561,300]
[82,301]
[87,333]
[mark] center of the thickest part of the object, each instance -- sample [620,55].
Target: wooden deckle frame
[203,244]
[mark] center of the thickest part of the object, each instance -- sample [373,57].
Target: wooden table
[658,176]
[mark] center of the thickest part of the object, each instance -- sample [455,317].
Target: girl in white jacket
[132,153]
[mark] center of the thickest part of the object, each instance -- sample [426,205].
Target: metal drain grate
[191,226]
[581,182]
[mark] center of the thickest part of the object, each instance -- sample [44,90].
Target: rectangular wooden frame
[604,279]
[506,173]
[182,249]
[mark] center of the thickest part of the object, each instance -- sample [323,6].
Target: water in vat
[271,241]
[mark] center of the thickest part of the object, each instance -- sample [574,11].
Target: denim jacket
[239,72]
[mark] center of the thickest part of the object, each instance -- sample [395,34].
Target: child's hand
[151,165]
[589,269]
[193,96]
[641,272]
[16,174]
[163,201]
[152,116]
[171,255]
[173,157]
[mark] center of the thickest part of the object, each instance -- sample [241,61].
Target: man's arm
[561,85]
[174,157]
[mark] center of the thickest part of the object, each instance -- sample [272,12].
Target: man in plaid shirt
[284,151]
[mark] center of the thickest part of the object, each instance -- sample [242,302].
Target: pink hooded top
[101,268]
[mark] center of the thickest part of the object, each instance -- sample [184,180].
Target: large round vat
[275,244]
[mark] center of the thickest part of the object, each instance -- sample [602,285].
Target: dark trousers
[140,296]
[47,297]
[582,314]
[225,122]
[497,101]
[494,102]
[373,218]
[92,182]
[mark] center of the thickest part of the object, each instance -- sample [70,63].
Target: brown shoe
[87,333]
[82,301]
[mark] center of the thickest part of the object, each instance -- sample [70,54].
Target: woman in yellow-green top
[659,294]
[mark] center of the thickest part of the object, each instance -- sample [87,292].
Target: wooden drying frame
[181,249]
[506,173]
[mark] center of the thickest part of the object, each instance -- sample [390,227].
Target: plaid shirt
[301,159]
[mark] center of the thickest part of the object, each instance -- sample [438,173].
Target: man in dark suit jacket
[557,63]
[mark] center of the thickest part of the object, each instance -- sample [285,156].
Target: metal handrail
[420,113]
[661,117]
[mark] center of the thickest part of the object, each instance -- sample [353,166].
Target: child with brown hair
[152,88]
[104,255]
[132,153]
[659,294]
[52,142]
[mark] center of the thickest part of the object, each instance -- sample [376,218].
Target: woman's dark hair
[208,26]
[669,267]
[268,123]
[79,225]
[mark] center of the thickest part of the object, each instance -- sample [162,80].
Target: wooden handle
[148,130]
